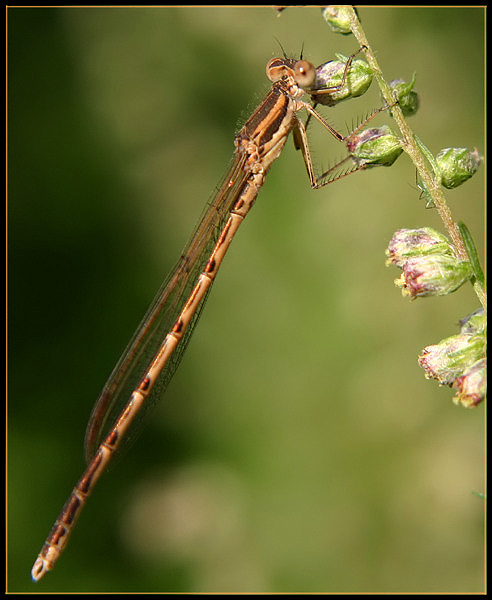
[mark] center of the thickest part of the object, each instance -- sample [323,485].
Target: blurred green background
[299,447]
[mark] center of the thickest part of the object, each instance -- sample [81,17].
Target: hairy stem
[410,146]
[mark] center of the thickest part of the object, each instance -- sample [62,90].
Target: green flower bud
[407,243]
[451,358]
[330,74]
[376,146]
[408,99]
[338,18]
[459,361]
[433,275]
[457,165]
[471,385]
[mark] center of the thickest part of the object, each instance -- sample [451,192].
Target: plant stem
[410,146]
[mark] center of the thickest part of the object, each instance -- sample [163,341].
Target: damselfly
[151,358]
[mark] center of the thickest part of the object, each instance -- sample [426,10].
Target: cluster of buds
[430,268]
[428,263]
[370,147]
[459,361]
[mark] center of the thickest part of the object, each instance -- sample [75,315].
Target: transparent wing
[162,315]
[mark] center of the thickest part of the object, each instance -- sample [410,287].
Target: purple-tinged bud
[459,361]
[376,146]
[456,165]
[407,243]
[449,359]
[330,75]
[433,275]
[471,385]
[338,18]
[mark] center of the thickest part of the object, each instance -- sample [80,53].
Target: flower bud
[457,165]
[433,275]
[459,361]
[408,100]
[450,359]
[330,74]
[376,146]
[338,18]
[407,243]
[471,385]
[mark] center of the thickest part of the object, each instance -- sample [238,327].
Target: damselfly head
[302,71]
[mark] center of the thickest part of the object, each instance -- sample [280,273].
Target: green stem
[411,147]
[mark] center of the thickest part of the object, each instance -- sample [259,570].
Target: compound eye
[304,73]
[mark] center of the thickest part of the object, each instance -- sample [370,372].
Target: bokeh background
[299,447]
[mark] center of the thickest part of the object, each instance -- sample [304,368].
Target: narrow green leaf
[472,253]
